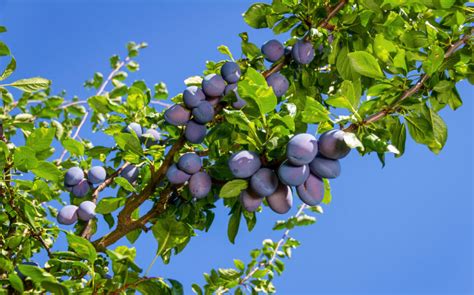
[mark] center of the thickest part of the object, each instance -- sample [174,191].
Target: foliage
[382,68]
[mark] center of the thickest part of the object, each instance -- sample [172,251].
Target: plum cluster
[302,52]
[69,214]
[307,162]
[199,103]
[149,137]
[76,182]
[188,169]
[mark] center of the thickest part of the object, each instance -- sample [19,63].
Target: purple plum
[293,175]
[176,176]
[81,189]
[67,215]
[177,115]
[244,164]
[301,149]
[200,185]
[250,201]
[230,71]
[303,52]
[96,174]
[130,173]
[273,50]
[239,103]
[86,211]
[279,83]
[214,100]
[281,200]
[190,163]
[213,85]
[195,132]
[311,192]
[192,96]
[135,128]
[264,182]
[324,167]
[73,176]
[151,137]
[203,113]
[332,145]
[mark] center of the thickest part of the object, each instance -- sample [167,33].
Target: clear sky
[403,229]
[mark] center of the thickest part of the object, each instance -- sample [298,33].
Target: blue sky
[403,229]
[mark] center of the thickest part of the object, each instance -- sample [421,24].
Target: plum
[311,192]
[303,52]
[264,182]
[195,132]
[86,211]
[281,200]
[151,137]
[332,144]
[250,201]
[68,187]
[324,167]
[177,115]
[301,149]
[200,185]
[73,176]
[81,189]
[273,50]
[135,128]
[130,173]
[244,164]
[67,215]
[293,175]
[213,85]
[214,100]
[279,83]
[230,71]
[96,174]
[203,113]
[192,96]
[190,163]
[239,103]
[176,176]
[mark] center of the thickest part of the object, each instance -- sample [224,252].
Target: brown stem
[410,92]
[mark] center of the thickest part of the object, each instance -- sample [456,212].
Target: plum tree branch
[410,92]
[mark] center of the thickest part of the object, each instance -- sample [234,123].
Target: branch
[413,90]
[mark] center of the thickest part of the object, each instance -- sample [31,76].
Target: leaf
[365,64]
[4,50]
[82,247]
[15,282]
[55,288]
[286,24]
[314,111]
[109,205]
[399,134]
[36,274]
[440,132]
[419,129]
[225,50]
[434,60]
[345,97]
[31,84]
[25,158]
[161,91]
[256,15]
[129,142]
[9,69]
[254,89]
[41,139]
[383,47]
[73,146]
[170,233]
[233,188]
[125,184]
[177,287]
[343,65]
[233,226]
[47,170]
[327,192]
[352,141]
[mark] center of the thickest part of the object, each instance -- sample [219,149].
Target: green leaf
[233,226]
[15,282]
[286,24]
[177,287]
[434,60]
[47,170]
[345,97]
[41,139]
[440,132]
[31,84]
[129,142]
[365,64]
[254,89]
[352,141]
[170,233]
[100,104]
[82,247]
[343,65]
[383,47]
[445,4]
[161,91]
[9,69]
[125,184]
[225,50]
[233,188]
[314,111]
[256,15]
[55,288]
[36,274]
[419,129]
[399,134]
[25,158]
[109,204]
[4,50]
[327,192]
[73,146]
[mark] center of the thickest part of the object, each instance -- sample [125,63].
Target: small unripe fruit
[96,174]
[86,211]
[213,85]
[332,145]
[177,115]
[230,71]
[301,149]
[195,132]
[190,163]
[81,189]
[193,96]
[200,185]
[73,176]
[244,164]
[279,83]
[272,50]
[303,52]
[67,215]
[176,176]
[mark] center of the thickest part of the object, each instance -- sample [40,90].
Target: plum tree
[193,96]
[311,192]
[176,176]
[195,132]
[151,137]
[200,185]
[244,164]
[272,50]
[279,83]
[324,167]
[239,103]
[303,52]
[135,128]
[332,144]
[130,173]
[86,210]
[96,174]
[177,115]
[213,85]
[301,149]
[281,200]
[203,113]
[190,163]
[73,176]
[293,175]
[67,215]
[230,71]
[264,182]
[250,200]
